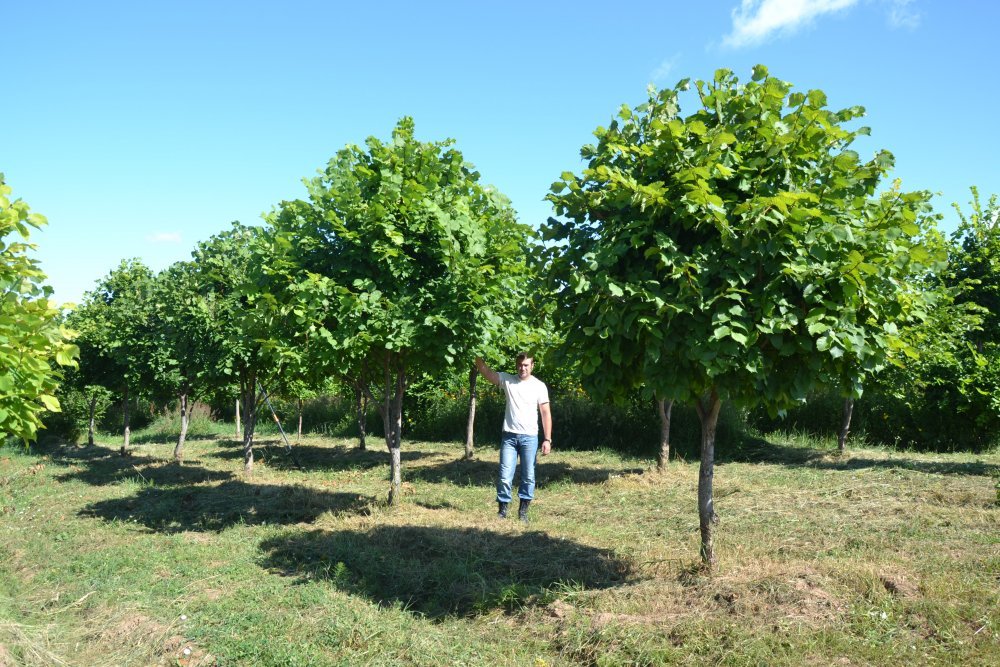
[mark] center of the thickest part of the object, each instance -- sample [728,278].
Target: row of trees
[741,253]
[399,264]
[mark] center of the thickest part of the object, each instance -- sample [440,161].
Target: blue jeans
[512,446]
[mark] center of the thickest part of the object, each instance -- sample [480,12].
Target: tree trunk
[664,407]
[126,423]
[845,424]
[470,425]
[708,413]
[90,421]
[386,410]
[361,406]
[185,414]
[239,431]
[299,436]
[249,392]
[395,428]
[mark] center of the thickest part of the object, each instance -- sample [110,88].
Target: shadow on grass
[156,438]
[751,449]
[462,472]
[215,508]
[99,466]
[441,572]
[314,458]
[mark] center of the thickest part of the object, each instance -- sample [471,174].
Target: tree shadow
[99,466]
[463,472]
[315,458]
[215,508]
[972,468]
[152,438]
[751,449]
[444,572]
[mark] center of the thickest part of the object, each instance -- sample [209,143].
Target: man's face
[524,367]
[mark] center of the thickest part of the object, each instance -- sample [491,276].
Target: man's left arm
[546,428]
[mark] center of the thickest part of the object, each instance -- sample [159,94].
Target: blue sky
[140,129]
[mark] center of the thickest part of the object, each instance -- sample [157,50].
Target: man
[527,396]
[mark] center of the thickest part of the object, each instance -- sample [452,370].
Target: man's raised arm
[486,371]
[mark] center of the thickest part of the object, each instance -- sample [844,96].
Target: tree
[403,256]
[33,342]
[740,253]
[242,290]
[113,321]
[182,334]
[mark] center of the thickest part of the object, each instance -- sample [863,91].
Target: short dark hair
[521,356]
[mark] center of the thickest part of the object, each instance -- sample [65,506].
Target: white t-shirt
[523,399]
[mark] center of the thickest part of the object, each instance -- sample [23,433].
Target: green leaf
[51,403]
[818,328]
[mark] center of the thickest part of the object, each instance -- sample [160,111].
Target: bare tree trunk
[361,406]
[90,421]
[239,430]
[249,391]
[708,413]
[126,424]
[185,414]
[664,407]
[396,430]
[299,436]
[387,415]
[845,424]
[470,426]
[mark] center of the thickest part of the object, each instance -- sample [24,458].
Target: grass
[877,557]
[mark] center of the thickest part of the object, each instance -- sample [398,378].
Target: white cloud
[164,237]
[756,20]
[665,69]
[903,15]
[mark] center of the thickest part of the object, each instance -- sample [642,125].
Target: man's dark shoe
[522,511]
[503,507]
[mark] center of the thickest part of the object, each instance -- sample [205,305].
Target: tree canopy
[744,248]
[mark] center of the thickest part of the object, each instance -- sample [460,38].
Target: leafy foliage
[33,342]
[404,249]
[743,248]
[975,261]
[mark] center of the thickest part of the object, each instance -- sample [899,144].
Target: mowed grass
[877,557]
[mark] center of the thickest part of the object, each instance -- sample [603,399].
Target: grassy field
[877,557]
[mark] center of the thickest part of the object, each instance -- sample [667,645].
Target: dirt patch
[136,634]
[193,537]
[900,586]
[771,595]
[563,612]
[5,658]
[212,593]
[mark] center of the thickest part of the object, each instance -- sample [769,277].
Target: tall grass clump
[166,425]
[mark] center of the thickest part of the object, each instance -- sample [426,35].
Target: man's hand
[487,372]
[546,447]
